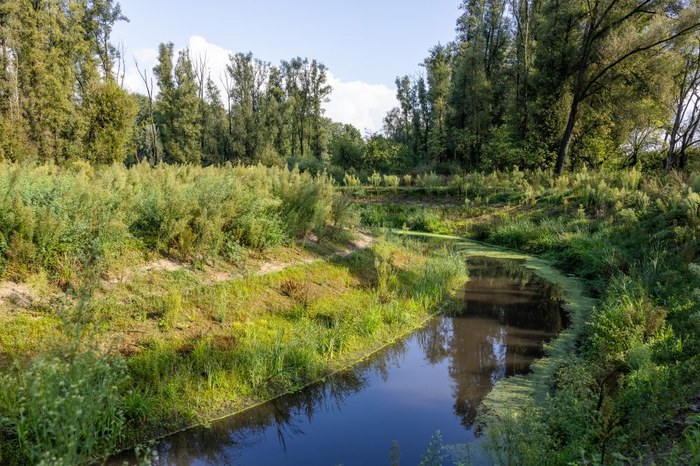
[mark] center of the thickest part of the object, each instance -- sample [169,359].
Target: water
[433,380]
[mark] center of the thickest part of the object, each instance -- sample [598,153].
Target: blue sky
[365,44]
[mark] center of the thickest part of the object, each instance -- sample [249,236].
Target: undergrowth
[624,396]
[53,219]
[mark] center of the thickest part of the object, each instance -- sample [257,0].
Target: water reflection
[434,379]
[528,312]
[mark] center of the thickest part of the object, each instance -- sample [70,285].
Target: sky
[365,44]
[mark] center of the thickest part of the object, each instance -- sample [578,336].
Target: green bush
[63,220]
[375,179]
[391,181]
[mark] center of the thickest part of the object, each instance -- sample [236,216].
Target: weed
[65,410]
[172,310]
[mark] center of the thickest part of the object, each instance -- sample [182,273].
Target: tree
[13,128]
[306,88]
[177,107]
[438,70]
[477,96]
[99,19]
[525,17]
[686,105]
[346,145]
[606,35]
[150,147]
[46,41]
[247,97]
[109,111]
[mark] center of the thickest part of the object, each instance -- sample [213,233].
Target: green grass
[185,351]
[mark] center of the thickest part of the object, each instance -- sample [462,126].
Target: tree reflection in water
[528,311]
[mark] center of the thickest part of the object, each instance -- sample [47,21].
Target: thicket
[551,84]
[625,395]
[60,221]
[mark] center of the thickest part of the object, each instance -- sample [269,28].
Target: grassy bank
[169,348]
[626,392]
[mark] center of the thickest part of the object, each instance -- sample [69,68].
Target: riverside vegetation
[158,246]
[90,362]
[161,324]
[630,390]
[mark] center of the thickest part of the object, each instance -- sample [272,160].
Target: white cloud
[146,59]
[358,103]
[361,104]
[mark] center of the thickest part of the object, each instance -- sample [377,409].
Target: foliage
[65,410]
[544,84]
[59,220]
[634,238]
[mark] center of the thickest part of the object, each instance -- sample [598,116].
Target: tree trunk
[566,137]
[671,156]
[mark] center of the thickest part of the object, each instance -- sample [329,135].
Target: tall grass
[64,409]
[57,219]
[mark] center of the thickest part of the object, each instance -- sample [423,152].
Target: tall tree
[13,142]
[607,34]
[686,105]
[477,97]
[247,96]
[525,15]
[307,88]
[177,107]
[438,71]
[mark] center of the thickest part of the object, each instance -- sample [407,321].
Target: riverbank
[173,347]
[629,389]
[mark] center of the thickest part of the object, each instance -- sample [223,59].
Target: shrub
[375,179]
[391,181]
[429,181]
[351,181]
[63,220]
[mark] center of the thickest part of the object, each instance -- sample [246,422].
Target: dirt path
[17,294]
[361,241]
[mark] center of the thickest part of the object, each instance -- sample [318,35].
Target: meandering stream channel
[389,406]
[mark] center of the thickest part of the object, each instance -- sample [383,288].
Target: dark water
[433,380]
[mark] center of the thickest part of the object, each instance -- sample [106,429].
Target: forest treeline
[61,96]
[544,83]
[526,83]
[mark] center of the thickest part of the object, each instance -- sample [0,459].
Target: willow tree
[686,104]
[605,35]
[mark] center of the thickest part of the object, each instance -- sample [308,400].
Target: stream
[387,409]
